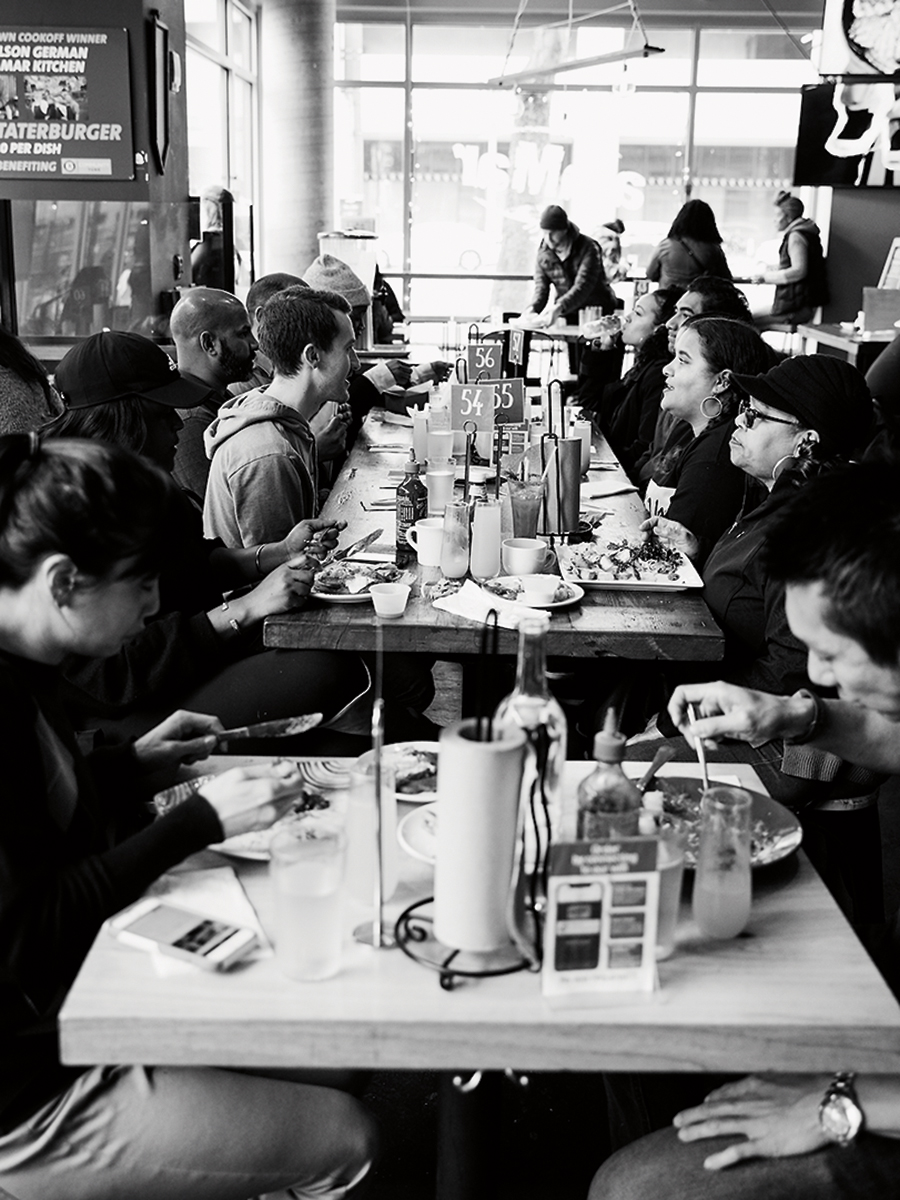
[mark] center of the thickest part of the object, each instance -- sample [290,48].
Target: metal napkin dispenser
[561,462]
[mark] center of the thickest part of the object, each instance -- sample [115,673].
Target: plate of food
[774,830]
[415,766]
[253,846]
[628,563]
[509,587]
[349,582]
[417,833]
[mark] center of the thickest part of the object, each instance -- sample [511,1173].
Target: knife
[285,727]
[357,547]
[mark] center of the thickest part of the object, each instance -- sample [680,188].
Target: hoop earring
[782,465]
[711,416]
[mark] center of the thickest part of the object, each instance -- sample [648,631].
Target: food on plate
[679,801]
[510,588]
[442,587]
[349,578]
[415,772]
[624,560]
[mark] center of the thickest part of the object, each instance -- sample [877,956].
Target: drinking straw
[490,634]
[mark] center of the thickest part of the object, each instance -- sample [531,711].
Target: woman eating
[696,482]
[82,540]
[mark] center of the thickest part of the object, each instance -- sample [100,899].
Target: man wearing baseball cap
[125,379]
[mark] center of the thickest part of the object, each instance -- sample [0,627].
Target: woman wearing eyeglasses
[803,417]
[696,483]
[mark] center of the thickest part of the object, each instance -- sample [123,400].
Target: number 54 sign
[472,402]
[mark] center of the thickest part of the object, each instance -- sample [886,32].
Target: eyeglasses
[748,416]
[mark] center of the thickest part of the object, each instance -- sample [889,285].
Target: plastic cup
[439,444]
[426,538]
[420,433]
[307,869]
[389,599]
[672,842]
[538,589]
[523,556]
[439,480]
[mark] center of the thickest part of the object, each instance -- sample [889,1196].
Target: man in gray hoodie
[264,473]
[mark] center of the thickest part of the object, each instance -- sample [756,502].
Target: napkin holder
[561,463]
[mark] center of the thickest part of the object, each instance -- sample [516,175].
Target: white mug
[523,556]
[426,538]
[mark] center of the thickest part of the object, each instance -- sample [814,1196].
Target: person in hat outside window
[800,279]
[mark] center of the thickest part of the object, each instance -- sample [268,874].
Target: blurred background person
[692,247]
[800,279]
[26,397]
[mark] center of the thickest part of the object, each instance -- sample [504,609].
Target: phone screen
[187,931]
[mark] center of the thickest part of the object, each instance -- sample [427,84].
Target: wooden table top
[627,624]
[795,993]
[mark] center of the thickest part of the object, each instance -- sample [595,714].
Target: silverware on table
[698,746]
[664,754]
[284,727]
[356,548]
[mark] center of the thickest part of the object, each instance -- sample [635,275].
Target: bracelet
[231,621]
[256,557]
[818,719]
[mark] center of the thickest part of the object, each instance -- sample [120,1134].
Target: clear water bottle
[532,707]
[609,803]
[722,882]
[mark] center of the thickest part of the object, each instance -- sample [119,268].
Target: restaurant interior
[425,139]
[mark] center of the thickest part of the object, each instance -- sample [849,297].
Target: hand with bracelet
[728,711]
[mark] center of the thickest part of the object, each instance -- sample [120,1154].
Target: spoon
[664,754]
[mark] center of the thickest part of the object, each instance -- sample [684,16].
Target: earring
[715,400]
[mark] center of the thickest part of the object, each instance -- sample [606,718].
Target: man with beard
[215,347]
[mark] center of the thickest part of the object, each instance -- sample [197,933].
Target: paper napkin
[474,604]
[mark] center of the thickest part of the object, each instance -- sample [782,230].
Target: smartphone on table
[205,941]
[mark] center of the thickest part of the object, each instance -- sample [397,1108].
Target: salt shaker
[722,884]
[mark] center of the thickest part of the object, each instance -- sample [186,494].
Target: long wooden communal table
[626,624]
[796,992]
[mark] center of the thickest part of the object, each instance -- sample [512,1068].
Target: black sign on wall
[65,104]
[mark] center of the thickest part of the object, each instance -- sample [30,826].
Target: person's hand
[542,319]
[316,536]
[282,590]
[183,737]
[777,1116]
[672,533]
[332,440]
[727,711]
[248,798]
[401,371]
[437,371]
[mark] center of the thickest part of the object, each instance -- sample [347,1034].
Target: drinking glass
[525,496]
[439,479]
[722,883]
[455,544]
[360,823]
[485,555]
[307,869]
[672,844]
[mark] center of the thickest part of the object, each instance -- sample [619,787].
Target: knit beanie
[330,274]
[824,393]
[555,218]
[616,226]
[792,206]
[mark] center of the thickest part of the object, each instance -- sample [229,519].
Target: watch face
[840,1118]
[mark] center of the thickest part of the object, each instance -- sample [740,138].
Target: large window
[452,173]
[220,82]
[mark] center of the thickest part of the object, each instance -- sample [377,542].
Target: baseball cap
[112,365]
[825,393]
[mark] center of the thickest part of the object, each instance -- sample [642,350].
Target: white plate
[476,474]
[510,580]
[686,578]
[417,833]
[404,757]
[364,597]
[392,418]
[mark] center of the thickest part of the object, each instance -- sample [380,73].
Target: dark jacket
[579,279]
[678,261]
[64,869]
[633,420]
[812,289]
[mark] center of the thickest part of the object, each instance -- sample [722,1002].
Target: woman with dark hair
[82,540]
[626,409]
[696,483]
[692,247]
[26,398]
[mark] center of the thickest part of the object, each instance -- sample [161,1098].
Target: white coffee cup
[426,537]
[537,590]
[523,556]
[389,598]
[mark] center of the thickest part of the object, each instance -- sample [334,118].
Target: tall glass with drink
[361,824]
[525,496]
[455,543]
[484,559]
[722,882]
[307,869]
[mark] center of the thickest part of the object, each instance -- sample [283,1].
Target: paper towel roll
[479,786]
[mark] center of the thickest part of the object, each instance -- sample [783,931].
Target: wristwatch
[840,1116]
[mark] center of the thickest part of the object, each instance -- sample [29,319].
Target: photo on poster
[849,132]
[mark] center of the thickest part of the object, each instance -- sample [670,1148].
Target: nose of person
[819,672]
[354,360]
[669,368]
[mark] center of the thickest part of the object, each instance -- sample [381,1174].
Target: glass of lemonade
[307,872]
[722,882]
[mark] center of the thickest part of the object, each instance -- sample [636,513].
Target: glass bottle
[412,506]
[531,706]
[609,803]
[722,883]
